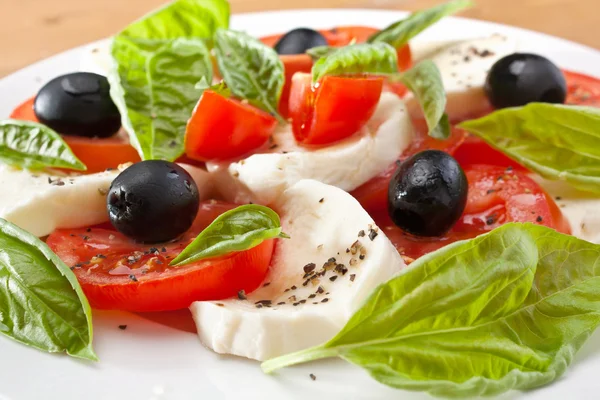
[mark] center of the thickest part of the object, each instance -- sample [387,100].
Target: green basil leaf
[364,58]
[251,69]
[31,145]
[321,51]
[556,141]
[425,81]
[157,62]
[239,229]
[41,302]
[399,33]
[507,310]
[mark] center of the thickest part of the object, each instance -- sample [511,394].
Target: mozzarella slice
[41,203]
[262,177]
[464,67]
[333,260]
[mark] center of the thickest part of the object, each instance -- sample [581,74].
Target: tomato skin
[98,154]
[496,196]
[474,151]
[332,110]
[161,287]
[582,90]
[223,128]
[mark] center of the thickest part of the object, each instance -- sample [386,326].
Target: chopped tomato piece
[222,128]
[333,109]
[373,194]
[98,154]
[119,274]
[582,90]
[292,64]
[496,196]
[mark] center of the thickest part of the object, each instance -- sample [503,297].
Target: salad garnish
[556,141]
[32,145]
[41,302]
[239,229]
[506,310]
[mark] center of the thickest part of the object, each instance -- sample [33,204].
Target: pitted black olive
[427,194]
[519,79]
[78,104]
[297,41]
[153,201]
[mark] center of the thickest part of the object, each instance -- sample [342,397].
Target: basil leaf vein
[236,230]
[251,70]
[399,33]
[31,145]
[41,302]
[556,141]
[507,310]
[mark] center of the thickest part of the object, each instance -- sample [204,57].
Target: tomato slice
[119,274]
[582,90]
[98,154]
[372,195]
[496,196]
[222,128]
[333,109]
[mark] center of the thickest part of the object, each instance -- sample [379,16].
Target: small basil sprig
[31,145]
[251,70]
[239,229]
[425,82]
[41,302]
[507,310]
[321,51]
[399,33]
[556,141]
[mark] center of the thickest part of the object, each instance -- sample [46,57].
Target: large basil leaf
[399,33]
[425,81]
[239,229]
[556,141]
[507,310]
[157,62]
[31,145]
[41,302]
[365,58]
[251,70]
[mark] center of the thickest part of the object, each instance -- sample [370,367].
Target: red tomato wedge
[333,109]
[582,90]
[119,274]
[496,196]
[96,153]
[222,128]
[340,36]
[372,195]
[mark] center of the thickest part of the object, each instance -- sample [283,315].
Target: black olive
[153,201]
[297,41]
[519,79]
[427,194]
[78,104]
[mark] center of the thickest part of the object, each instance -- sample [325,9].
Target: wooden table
[35,29]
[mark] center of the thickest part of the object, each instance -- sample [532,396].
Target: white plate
[159,357]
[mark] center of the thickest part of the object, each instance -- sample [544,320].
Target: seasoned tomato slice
[496,196]
[119,274]
[582,90]
[98,154]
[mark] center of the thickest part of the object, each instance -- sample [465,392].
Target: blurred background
[35,29]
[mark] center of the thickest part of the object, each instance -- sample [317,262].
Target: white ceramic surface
[158,357]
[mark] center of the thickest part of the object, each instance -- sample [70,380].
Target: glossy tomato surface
[119,274]
[333,109]
[496,196]
[222,128]
[582,90]
[98,154]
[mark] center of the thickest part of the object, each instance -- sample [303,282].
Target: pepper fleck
[266,284]
[325,300]
[242,295]
[122,327]
[372,234]
[313,377]
[539,218]
[362,256]
[333,278]
[352,277]
[133,278]
[361,233]
[322,200]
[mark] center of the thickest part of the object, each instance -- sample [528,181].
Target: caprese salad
[427,212]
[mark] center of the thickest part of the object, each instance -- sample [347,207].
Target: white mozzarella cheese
[464,67]
[333,260]
[96,58]
[41,203]
[262,177]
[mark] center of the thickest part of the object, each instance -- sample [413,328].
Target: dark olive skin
[153,201]
[78,104]
[427,194]
[297,41]
[519,79]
